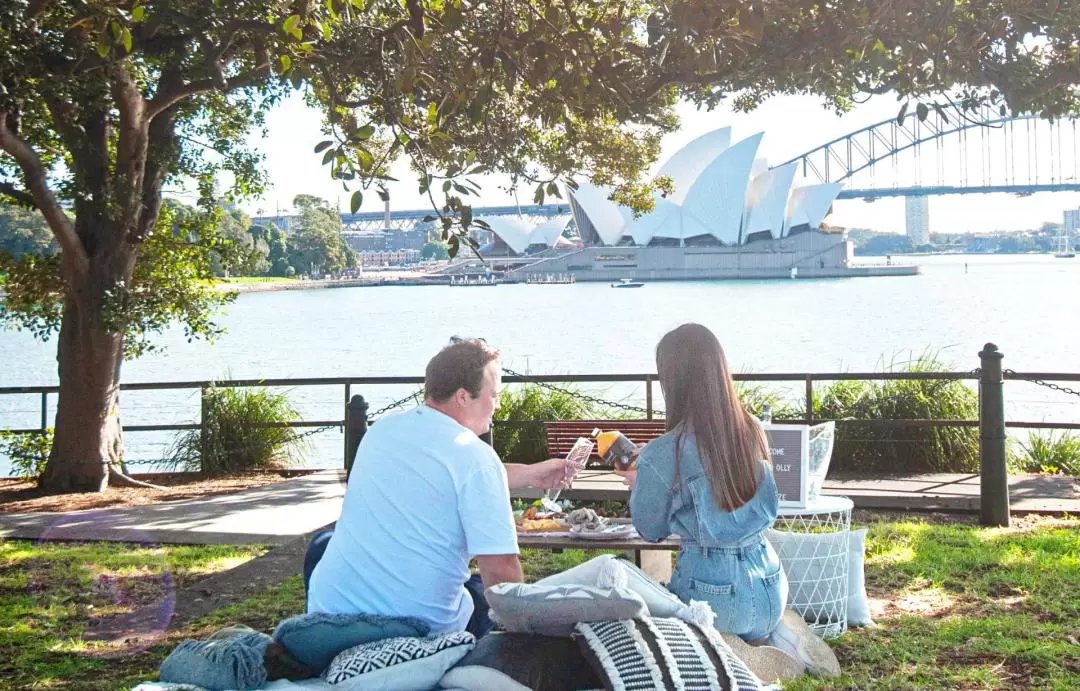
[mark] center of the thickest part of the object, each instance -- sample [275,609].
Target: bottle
[615,448]
[766,414]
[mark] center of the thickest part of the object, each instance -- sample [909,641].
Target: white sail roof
[810,204]
[686,164]
[721,189]
[717,199]
[603,213]
[766,202]
[547,232]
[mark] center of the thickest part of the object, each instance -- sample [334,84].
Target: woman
[709,479]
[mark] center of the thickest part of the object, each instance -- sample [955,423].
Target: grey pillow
[554,610]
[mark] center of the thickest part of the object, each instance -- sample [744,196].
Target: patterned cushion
[660,653]
[314,639]
[522,662]
[402,664]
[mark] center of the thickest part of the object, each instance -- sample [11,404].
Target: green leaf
[538,197]
[357,200]
[466,217]
[902,115]
[365,132]
[321,146]
[114,27]
[462,189]
[103,47]
[879,47]
[290,24]
[921,111]
[432,113]
[126,38]
[286,63]
[455,244]
[329,156]
[553,190]
[364,158]
[138,13]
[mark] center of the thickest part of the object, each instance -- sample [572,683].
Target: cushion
[314,639]
[858,608]
[232,658]
[520,662]
[407,663]
[553,610]
[816,573]
[658,653]
[609,571]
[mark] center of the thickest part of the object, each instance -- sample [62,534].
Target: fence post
[355,428]
[204,427]
[809,399]
[44,411]
[648,398]
[993,474]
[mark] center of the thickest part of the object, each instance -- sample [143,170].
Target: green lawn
[965,607]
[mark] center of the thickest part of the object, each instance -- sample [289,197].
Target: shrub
[28,452]
[903,448]
[237,436]
[518,431]
[1051,453]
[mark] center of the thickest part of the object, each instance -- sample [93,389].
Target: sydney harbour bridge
[945,153]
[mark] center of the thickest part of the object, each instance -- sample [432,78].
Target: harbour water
[1026,304]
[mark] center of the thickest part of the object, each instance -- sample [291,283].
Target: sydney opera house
[730,216]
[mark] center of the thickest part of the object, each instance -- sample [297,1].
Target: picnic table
[654,558]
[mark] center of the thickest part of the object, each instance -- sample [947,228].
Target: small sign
[789,446]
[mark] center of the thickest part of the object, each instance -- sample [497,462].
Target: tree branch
[260,71]
[34,172]
[21,197]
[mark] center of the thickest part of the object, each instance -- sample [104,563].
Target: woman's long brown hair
[699,397]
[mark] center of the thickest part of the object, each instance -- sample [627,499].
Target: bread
[541,525]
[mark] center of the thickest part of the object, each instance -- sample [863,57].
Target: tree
[318,247]
[103,101]
[434,250]
[24,231]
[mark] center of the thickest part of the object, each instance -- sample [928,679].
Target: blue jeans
[480,622]
[744,586]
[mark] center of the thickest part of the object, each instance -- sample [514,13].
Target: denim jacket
[725,559]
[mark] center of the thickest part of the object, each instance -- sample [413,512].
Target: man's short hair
[459,365]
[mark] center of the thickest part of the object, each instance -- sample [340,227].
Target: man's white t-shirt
[425,495]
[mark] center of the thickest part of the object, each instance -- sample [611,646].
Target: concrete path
[272,514]
[279,513]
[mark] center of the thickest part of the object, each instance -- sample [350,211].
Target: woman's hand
[628,476]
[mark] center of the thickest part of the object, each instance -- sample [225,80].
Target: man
[425,495]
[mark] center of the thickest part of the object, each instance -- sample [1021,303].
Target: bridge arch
[862,151]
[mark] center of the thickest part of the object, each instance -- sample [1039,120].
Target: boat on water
[1064,248]
[627,283]
[474,280]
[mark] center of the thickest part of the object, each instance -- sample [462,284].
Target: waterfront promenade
[280,513]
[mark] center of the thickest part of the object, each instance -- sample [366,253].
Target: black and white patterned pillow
[399,663]
[661,653]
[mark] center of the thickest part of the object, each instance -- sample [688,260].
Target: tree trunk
[87,437]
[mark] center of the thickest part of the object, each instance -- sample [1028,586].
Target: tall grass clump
[518,431]
[754,396]
[904,448]
[1051,454]
[237,439]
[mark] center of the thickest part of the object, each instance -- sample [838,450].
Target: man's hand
[554,472]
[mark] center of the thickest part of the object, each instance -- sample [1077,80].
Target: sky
[792,125]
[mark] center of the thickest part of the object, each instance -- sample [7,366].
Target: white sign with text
[789,446]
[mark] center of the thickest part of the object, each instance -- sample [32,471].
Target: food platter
[612,531]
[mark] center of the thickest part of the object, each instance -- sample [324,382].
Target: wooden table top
[550,541]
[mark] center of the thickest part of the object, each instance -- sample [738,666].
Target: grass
[50,592]
[965,607]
